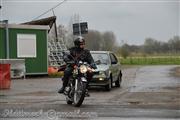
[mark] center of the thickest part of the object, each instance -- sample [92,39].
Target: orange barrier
[5,77]
[52,70]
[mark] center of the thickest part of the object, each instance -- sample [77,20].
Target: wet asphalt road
[147,92]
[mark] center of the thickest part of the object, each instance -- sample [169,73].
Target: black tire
[69,102]
[81,99]
[119,79]
[109,86]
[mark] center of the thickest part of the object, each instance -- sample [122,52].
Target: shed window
[26,45]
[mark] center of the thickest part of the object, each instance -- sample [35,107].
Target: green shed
[27,42]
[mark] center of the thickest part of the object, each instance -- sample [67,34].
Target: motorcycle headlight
[83,69]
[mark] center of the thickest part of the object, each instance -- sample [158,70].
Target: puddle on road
[172,88]
[154,85]
[38,93]
[155,78]
[134,102]
[176,72]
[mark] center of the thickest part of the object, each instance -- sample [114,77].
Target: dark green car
[108,70]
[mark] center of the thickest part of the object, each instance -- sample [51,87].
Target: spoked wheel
[69,99]
[79,94]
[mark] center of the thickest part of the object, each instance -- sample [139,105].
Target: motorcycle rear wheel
[69,102]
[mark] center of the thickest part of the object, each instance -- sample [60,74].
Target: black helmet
[79,41]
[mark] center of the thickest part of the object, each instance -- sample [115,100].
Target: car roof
[107,52]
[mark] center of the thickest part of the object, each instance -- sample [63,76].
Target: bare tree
[94,40]
[109,40]
[174,44]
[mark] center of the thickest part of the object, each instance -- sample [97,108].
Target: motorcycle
[76,87]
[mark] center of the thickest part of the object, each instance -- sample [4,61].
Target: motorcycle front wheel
[79,94]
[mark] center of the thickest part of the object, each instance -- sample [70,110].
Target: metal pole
[55,27]
[79,29]
[7,38]
[79,25]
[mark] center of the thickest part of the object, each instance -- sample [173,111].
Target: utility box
[28,42]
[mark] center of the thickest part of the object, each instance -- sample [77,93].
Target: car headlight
[83,69]
[102,74]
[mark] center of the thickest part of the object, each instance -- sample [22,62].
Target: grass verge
[158,60]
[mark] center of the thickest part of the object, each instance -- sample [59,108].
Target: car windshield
[102,57]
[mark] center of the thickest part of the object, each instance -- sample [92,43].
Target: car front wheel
[118,81]
[109,86]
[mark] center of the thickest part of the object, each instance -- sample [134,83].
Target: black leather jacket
[82,55]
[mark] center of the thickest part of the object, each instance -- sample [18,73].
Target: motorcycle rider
[80,54]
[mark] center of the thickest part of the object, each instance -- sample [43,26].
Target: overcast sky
[131,20]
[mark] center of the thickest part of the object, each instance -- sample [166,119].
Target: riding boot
[65,82]
[61,90]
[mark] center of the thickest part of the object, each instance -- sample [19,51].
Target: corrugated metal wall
[2,43]
[36,65]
